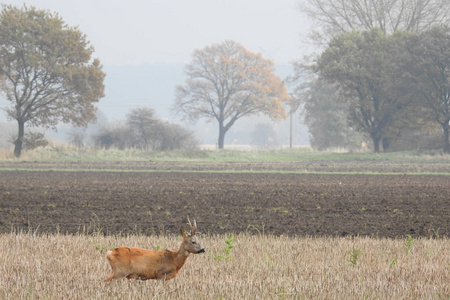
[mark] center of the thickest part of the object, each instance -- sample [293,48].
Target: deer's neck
[180,257]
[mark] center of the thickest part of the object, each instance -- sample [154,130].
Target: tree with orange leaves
[227,82]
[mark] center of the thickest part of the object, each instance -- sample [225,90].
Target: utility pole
[292,108]
[290,126]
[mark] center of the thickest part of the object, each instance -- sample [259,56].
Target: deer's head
[190,240]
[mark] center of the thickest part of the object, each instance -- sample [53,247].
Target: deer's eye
[194,242]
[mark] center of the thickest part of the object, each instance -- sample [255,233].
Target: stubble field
[258,267]
[311,230]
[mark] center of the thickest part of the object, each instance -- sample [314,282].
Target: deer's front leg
[166,273]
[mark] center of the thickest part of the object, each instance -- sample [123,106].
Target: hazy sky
[131,32]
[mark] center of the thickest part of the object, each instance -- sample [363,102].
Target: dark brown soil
[291,204]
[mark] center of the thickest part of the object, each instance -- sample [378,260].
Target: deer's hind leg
[118,274]
[133,276]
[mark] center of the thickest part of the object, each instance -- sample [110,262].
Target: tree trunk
[222,132]
[386,142]
[376,144]
[18,143]
[446,139]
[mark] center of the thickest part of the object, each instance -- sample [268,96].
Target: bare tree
[144,128]
[338,16]
[263,135]
[227,82]
[174,136]
[116,135]
[77,136]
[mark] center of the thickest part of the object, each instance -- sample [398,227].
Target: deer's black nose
[201,251]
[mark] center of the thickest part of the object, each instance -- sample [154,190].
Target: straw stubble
[259,267]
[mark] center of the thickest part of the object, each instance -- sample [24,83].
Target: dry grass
[261,267]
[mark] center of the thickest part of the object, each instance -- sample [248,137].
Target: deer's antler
[193,227]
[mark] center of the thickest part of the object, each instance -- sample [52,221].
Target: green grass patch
[68,154]
[222,171]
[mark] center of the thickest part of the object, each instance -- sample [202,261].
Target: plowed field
[275,203]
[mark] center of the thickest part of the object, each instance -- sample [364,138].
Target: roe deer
[137,263]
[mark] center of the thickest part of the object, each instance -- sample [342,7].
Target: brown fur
[138,263]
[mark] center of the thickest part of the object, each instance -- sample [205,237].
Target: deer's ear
[183,231]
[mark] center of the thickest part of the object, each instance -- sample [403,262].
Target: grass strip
[225,171]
